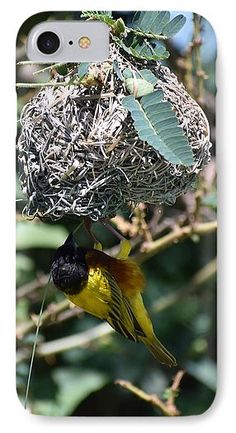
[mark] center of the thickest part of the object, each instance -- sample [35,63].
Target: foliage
[156,123]
[144,49]
[140,39]
[157,24]
[154,118]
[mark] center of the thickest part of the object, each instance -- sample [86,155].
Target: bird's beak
[70,240]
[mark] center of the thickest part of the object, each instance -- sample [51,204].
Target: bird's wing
[120,314]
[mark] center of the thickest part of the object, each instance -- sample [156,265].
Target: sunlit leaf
[203,370]
[138,87]
[174,26]
[157,124]
[73,386]
[83,69]
[33,235]
[157,23]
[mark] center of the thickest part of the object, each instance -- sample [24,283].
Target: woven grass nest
[79,153]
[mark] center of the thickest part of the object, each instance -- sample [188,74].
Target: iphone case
[116,221]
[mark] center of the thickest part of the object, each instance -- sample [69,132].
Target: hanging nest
[80,154]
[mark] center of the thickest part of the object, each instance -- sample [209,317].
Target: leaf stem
[200,73]
[146,35]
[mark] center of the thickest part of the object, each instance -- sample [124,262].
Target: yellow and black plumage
[108,288]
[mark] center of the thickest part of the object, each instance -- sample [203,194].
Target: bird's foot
[98,246]
[125,248]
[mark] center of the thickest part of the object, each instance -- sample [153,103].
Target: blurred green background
[181,301]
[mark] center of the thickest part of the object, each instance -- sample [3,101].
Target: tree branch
[50,313]
[173,393]
[78,340]
[26,289]
[168,408]
[177,235]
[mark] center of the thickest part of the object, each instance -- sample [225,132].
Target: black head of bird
[69,268]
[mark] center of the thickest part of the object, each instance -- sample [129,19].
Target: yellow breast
[95,295]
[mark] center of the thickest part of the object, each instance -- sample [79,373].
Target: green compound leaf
[139,83]
[118,27]
[174,26]
[138,87]
[157,24]
[146,74]
[149,76]
[147,51]
[105,16]
[157,124]
[144,49]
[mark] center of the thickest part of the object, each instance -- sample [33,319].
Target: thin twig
[191,63]
[149,398]
[28,288]
[175,236]
[173,393]
[55,65]
[78,340]
[110,227]
[49,314]
[147,35]
[200,73]
[168,408]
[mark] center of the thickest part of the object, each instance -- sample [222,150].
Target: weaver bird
[108,288]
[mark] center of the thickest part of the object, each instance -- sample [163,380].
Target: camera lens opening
[48,42]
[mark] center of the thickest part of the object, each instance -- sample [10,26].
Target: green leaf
[118,27]
[170,393]
[128,73]
[33,235]
[174,26]
[104,16]
[143,49]
[150,22]
[203,370]
[146,74]
[157,124]
[138,87]
[24,268]
[73,386]
[157,24]
[149,76]
[83,69]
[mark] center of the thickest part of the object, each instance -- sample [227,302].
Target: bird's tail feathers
[159,351]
